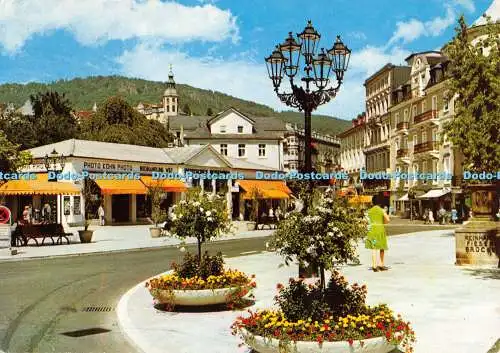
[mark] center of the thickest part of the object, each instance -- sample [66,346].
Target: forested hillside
[83,92]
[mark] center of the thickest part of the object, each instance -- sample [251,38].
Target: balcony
[403,125]
[428,115]
[402,152]
[429,146]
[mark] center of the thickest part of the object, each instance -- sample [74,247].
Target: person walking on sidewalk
[100,213]
[376,239]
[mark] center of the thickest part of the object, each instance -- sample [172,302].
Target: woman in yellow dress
[377,237]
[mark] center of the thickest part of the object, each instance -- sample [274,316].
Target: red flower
[279,286]
[350,341]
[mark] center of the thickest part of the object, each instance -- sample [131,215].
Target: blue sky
[218,44]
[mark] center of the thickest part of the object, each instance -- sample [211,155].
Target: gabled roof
[103,150]
[227,112]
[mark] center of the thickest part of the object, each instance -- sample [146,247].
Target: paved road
[43,301]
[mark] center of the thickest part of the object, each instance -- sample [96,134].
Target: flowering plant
[228,278]
[378,321]
[202,216]
[328,234]
[308,312]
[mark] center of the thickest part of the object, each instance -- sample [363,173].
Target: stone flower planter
[271,345]
[192,297]
[85,236]
[155,232]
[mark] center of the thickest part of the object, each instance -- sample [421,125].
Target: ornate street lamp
[285,60]
[54,162]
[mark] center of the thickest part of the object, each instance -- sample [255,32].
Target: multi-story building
[168,107]
[257,141]
[352,141]
[378,88]
[325,150]
[420,149]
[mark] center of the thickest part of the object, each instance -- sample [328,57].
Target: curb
[116,251]
[122,316]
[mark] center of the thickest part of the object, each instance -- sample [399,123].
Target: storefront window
[77,206]
[66,205]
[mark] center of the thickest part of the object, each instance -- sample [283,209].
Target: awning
[39,186]
[361,199]
[435,193]
[167,185]
[121,187]
[404,198]
[265,189]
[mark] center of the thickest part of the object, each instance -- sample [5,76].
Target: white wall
[231,121]
[274,150]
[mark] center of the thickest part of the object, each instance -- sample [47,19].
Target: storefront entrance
[120,211]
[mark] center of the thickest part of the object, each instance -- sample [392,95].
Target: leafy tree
[116,121]
[53,121]
[19,130]
[11,159]
[186,109]
[475,81]
[209,111]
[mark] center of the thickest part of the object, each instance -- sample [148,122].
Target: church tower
[170,99]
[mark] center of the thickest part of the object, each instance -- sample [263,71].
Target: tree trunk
[322,277]
[199,251]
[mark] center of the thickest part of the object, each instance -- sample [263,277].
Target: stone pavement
[452,309]
[115,238]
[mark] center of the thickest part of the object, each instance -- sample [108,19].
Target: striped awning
[359,199]
[39,186]
[265,189]
[167,185]
[121,187]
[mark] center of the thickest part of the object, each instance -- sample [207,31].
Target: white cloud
[467,4]
[239,77]
[414,29]
[94,21]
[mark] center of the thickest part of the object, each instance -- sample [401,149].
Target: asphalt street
[44,302]
[66,304]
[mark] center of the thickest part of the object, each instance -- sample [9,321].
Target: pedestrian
[46,211]
[377,238]
[26,215]
[100,212]
[454,216]
[431,217]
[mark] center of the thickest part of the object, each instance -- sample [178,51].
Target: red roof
[84,114]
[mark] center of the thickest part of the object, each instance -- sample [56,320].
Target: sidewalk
[115,238]
[452,309]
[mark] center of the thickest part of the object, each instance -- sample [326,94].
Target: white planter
[195,297]
[271,345]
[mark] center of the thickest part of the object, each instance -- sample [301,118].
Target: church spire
[170,82]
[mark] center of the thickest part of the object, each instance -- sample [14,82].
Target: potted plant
[158,215]
[200,279]
[89,191]
[322,316]
[255,196]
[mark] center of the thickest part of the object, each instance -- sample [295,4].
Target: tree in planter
[474,81]
[158,215]
[325,237]
[202,216]
[89,191]
[255,197]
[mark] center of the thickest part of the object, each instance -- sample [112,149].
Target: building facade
[124,199]
[378,98]
[352,142]
[325,150]
[420,149]
[168,107]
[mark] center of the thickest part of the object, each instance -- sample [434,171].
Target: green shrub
[208,266]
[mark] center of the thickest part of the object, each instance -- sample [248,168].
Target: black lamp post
[54,162]
[286,60]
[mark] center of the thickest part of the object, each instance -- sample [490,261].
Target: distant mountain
[83,92]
